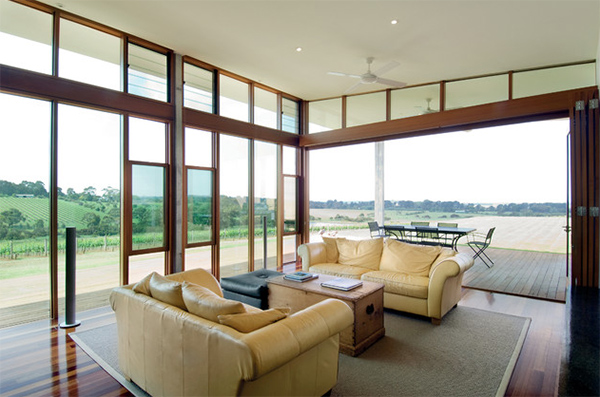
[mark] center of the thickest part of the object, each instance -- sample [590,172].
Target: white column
[379,181]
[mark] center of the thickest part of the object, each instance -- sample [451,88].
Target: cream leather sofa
[168,351]
[424,280]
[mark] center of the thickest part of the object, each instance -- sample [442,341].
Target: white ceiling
[432,41]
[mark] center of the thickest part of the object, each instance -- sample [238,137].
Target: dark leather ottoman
[250,288]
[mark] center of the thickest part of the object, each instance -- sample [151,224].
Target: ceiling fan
[372,77]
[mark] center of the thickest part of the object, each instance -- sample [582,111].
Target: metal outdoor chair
[423,237]
[376,230]
[479,243]
[446,239]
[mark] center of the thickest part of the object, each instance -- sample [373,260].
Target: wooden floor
[524,273]
[40,359]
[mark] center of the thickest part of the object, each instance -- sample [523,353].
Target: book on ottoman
[300,276]
[344,284]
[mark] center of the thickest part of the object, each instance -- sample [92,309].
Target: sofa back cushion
[363,253]
[206,304]
[412,259]
[331,248]
[162,289]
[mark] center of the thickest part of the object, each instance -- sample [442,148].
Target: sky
[516,163]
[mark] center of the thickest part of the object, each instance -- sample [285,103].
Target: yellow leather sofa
[424,280]
[168,351]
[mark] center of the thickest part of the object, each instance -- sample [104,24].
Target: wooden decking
[524,273]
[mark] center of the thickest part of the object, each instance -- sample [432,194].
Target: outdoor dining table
[428,234]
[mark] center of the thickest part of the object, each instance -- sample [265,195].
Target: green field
[36,208]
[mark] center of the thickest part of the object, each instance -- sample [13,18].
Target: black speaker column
[70,261]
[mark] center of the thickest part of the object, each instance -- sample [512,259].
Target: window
[544,81]
[265,205]
[199,205]
[478,91]
[365,109]
[324,115]
[25,37]
[265,108]
[233,99]
[233,195]
[89,180]
[415,101]
[147,141]
[24,204]
[147,73]
[198,147]
[290,118]
[89,55]
[198,88]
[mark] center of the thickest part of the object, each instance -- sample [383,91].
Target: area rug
[472,353]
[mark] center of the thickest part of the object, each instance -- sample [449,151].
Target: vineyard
[38,208]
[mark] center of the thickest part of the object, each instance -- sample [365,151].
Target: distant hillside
[37,208]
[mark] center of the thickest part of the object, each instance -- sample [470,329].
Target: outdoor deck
[524,273]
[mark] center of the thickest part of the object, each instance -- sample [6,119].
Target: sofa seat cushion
[363,253]
[400,283]
[408,258]
[335,269]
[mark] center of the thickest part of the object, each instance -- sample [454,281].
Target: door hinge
[581,211]
[594,103]
[580,105]
[595,211]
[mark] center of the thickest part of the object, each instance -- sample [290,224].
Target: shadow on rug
[473,352]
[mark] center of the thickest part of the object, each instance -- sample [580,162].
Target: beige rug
[472,353]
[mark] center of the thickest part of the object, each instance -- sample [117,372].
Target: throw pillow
[407,258]
[143,286]
[248,322]
[331,248]
[206,304]
[363,253]
[166,290]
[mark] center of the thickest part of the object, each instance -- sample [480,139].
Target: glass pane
[25,37]
[537,82]
[289,204]
[289,160]
[142,265]
[197,88]
[233,100]
[289,249]
[24,210]
[198,147]
[198,258]
[234,205]
[89,55]
[365,109]
[147,140]
[147,73]
[464,93]
[199,203]
[415,101]
[265,108]
[324,115]
[148,206]
[339,176]
[89,177]
[290,121]
[265,205]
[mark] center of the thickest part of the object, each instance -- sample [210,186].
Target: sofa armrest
[440,290]
[312,254]
[278,343]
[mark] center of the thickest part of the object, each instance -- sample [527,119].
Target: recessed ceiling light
[298,49]
[394,21]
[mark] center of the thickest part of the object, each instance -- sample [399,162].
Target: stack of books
[300,276]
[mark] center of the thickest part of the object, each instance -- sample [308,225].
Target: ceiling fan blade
[353,88]
[386,68]
[344,74]
[391,83]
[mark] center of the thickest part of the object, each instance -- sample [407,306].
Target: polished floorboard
[40,359]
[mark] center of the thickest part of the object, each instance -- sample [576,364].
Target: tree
[11,217]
